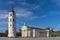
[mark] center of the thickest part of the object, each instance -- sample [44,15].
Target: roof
[47,28]
[34,27]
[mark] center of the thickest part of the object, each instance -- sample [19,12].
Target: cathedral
[26,31]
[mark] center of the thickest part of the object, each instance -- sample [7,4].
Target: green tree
[58,33]
[6,33]
[19,33]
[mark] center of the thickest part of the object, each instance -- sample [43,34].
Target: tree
[58,33]
[19,33]
[6,33]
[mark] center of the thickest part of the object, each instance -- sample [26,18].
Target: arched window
[13,19]
[10,14]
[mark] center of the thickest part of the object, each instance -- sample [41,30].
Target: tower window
[10,14]
[13,19]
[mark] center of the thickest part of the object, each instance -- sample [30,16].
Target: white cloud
[43,16]
[24,13]
[30,6]
[36,7]
[3,14]
[21,13]
[56,2]
[34,17]
[3,11]
[3,23]
[54,12]
[20,0]
[24,3]
[57,28]
[10,2]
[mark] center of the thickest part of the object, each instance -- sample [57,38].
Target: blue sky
[35,13]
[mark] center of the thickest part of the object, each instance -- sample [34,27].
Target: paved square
[19,38]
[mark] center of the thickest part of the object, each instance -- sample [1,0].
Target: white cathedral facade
[26,31]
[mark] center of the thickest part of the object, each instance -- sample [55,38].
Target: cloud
[20,12]
[34,17]
[43,16]
[10,2]
[54,12]
[57,28]
[25,14]
[20,0]
[3,20]
[56,2]
[3,23]
[24,3]
[36,7]
[3,14]
[28,5]
[3,11]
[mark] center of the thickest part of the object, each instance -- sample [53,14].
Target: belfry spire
[12,10]
[12,6]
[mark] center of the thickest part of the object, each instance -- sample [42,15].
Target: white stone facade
[12,24]
[27,31]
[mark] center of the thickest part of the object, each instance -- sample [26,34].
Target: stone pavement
[41,38]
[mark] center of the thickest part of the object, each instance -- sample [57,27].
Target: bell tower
[12,24]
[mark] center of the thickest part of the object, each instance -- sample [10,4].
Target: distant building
[28,31]
[12,24]
[3,35]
